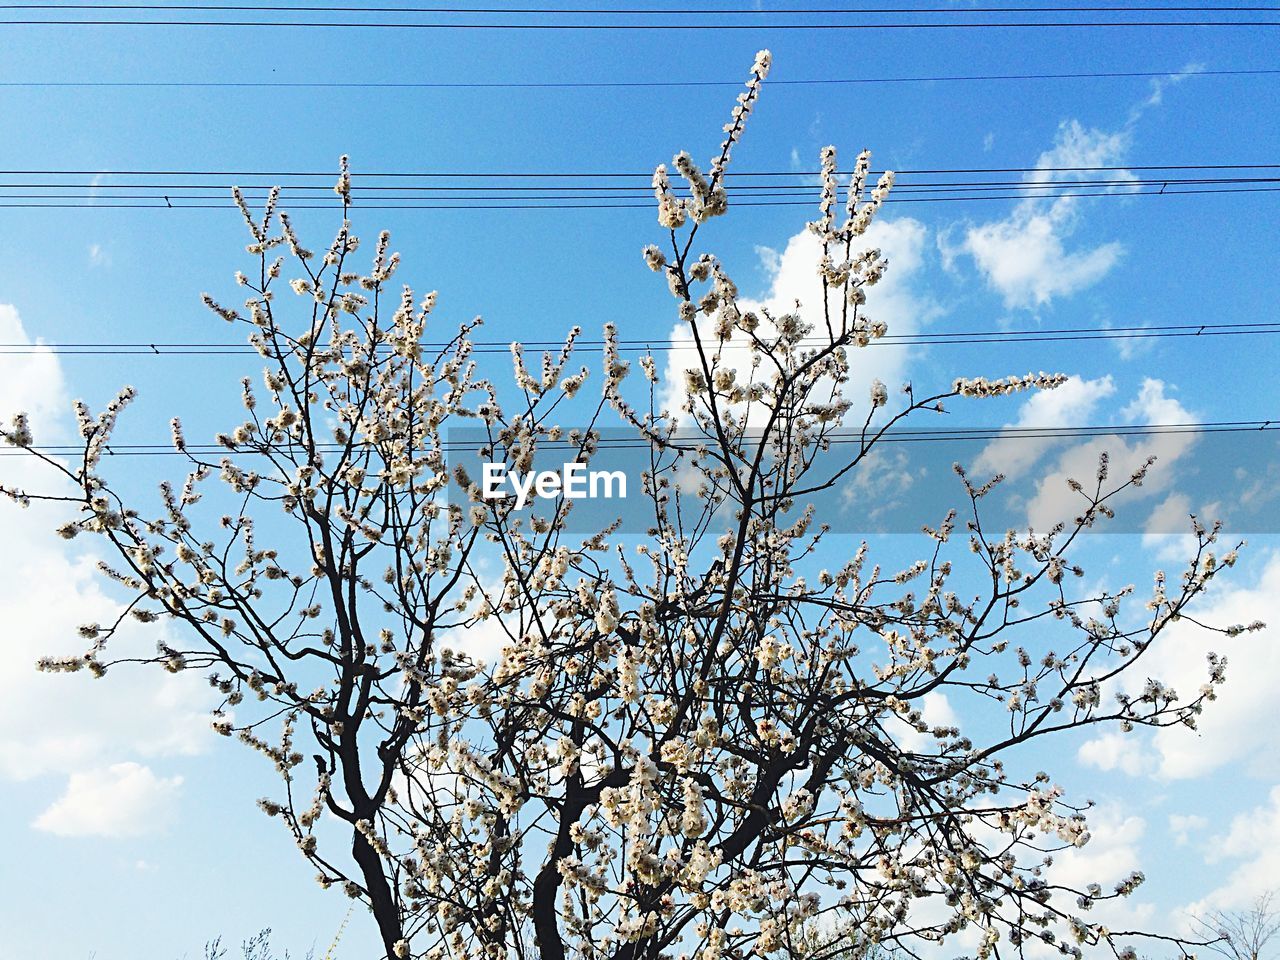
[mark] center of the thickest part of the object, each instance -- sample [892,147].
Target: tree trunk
[382,899]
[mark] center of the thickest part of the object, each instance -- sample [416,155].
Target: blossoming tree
[694,745]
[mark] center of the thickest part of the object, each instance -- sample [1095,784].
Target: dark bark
[546,885]
[382,899]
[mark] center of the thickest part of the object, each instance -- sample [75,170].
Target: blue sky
[135,829]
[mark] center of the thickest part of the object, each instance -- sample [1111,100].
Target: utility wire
[628,443]
[163,204]
[806,194]
[932,338]
[644,11]
[666,27]
[562,191]
[356,176]
[593,84]
[448,190]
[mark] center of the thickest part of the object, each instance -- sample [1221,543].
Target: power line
[259,191]
[173,195]
[584,84]
[928,338]
[632,27]
[163,204]
[357,176]
[643,11]
[837,438]
[537,190]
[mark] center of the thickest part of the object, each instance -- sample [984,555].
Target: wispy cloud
[1027,256]
[58,725]
[1024,257]
[122,800]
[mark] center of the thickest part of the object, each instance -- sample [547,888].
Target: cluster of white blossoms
[695,744]
[752,363]
[19,433]
[982,387]
[707,194]
[860,209]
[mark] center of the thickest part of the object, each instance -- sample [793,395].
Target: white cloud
[1183,825]
[122,800]
[936,711]
[1112,853]
[1130,347]
[1117,751]
[1076,403]
[1054,501]
[1239,726]
[1024,257]
[1071,404]
[54,725]
[880,485]
[1167,534]
[794,277]
[483,641]
[1160,84]
[58,723]
[98,256]
[770,259]
[32,382]
[1253,842]
[1152,406]
[1174,505]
